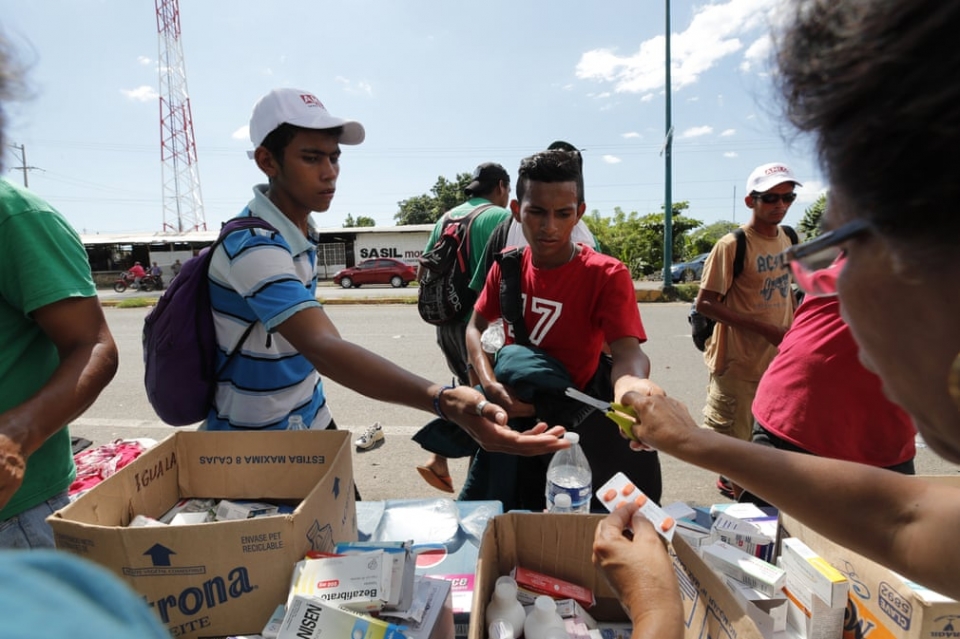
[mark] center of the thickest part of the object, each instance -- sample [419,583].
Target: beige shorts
[729,406]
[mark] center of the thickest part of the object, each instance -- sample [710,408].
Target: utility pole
[23,163]
[668,175]
[734,209]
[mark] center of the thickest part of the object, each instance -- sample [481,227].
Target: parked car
[688,271]
[381,270]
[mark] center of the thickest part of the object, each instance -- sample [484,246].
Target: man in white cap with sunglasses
[265,281]
[750,298]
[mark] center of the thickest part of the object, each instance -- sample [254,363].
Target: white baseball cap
[300,108]
[767,176]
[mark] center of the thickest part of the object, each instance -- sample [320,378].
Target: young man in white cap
[267,280]
[753,309]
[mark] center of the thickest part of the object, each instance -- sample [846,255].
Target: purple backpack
[180,342]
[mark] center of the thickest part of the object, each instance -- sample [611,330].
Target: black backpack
[701,326]
[445,296]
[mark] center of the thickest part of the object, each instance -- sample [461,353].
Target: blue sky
[439,86]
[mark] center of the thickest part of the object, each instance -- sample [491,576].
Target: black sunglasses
[773,198]
[821,251]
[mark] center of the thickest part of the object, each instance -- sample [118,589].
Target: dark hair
[277,140]
[875,81]
[550,166]
[486,188]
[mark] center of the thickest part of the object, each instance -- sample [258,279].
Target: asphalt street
[385,321]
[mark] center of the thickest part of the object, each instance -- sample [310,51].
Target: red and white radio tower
[182,203]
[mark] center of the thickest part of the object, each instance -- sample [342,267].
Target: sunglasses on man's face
[773,198]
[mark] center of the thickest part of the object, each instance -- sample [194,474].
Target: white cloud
[243,133]
[611,159]
[695,98]
[714,33]
[631,134]
[731,154]
[141,94]
[144,60]
[355,88]
[696,132]
[605,94]
[757,54]
[726,133]
[647,98]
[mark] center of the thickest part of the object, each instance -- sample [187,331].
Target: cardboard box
[561,545]
[217,578]
[882,604]
[442,552]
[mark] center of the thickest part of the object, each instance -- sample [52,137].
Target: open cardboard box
[561,546]
[882,604]
[217,578]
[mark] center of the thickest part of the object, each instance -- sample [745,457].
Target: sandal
[440,482]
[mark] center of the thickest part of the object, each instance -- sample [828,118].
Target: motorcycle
[147,283]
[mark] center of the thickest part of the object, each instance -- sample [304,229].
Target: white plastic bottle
[501,629]
[569,472]
[505,605]
[295,422]
[542,616]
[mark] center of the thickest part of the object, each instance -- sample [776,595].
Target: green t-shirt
[41,262]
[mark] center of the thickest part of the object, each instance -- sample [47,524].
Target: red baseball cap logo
[311,100]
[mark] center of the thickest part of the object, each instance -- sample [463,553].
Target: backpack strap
[245,221]
[740,256]
[496,243]
[791,233]
[511,297]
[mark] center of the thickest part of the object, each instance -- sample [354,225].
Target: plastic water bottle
[562,503]
[569,472]
[505,606]
[493,338]
[295,422]
[542,616]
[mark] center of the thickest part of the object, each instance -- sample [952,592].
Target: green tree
[427,208]
[636,240]
[362,220]
[703,239]
[809,226]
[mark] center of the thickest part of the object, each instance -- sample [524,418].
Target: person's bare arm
[710,303]
[903,522]
[640,571]
[312,333]
[483,369]
[88,361]
[631,368]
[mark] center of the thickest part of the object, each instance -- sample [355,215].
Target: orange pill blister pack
[619,491]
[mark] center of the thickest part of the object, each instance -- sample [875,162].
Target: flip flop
[440,482]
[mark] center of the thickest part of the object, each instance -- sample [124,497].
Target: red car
[382,270]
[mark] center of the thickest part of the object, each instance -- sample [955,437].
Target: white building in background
[339,247]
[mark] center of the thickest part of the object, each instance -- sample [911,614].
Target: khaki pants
[729,408]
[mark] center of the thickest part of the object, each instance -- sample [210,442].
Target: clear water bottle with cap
[569,473]
[295,422]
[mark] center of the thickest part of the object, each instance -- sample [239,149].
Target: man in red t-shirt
[575,301]
[137,273]
[816,397]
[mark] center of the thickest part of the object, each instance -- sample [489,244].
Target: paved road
[396,332]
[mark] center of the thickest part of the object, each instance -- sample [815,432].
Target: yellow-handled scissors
[622,416]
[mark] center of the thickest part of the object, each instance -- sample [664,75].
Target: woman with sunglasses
[891,150]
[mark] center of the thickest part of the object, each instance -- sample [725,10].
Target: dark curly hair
[878,84]
[551,166]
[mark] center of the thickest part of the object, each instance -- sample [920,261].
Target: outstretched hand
[486,422]
[662,422]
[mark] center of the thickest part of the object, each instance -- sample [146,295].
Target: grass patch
[136,302]
[681,293]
